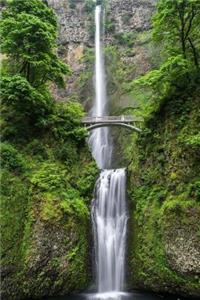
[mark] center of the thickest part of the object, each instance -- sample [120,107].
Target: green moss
[50,200]
[77,258]
[149,265]
[164,195]
[12,159]
[14,201]
[176,206]
[127,39]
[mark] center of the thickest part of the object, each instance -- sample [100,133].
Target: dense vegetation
[164,171]
[47,174]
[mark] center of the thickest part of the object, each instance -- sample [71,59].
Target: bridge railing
[111,119]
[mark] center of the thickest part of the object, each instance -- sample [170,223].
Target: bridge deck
[111,120]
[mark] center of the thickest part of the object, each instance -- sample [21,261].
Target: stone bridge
[129,122]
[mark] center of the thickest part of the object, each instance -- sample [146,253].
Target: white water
[99,140]
[109,219]
[109,215]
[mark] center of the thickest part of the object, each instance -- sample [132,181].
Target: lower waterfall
[109,217]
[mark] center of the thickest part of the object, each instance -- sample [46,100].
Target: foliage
[66,121]
[173,74]
[42,183]
[176,206]
[35,7]
[194,189]
[14,201]
[11,159]
[58,195]
[117,70]
[89,6]
[126,39]
[37,148]
[86,181]
[164,189]
[29,107]
[28,31]
[49,177]
[72,4]
[67,152]
[85,77]
[193,140]
[176,23]
[109,26]
[68,203]
[24,100]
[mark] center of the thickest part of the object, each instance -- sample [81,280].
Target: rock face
[182,245]
[47,231]
[73,37]
[55,263]
[164,194]
[76,35]
[131,15]
[72,20]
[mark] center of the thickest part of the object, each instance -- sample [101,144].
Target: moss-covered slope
[45,218]
[164,191]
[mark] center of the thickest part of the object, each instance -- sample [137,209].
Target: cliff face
[46,219]
[127,25]
[164,194]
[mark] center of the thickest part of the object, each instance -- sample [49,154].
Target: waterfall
[109,221]
[109,214]
[100,140]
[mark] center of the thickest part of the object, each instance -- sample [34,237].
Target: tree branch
[190,23]
[195,54]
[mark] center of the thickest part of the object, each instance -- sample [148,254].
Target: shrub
[49,177]
[11,159]
[28,103]
[126,39]
[176,205]
[109,26]
[194,189]
[67,152]
[36,147]
[65,123]
[89,6]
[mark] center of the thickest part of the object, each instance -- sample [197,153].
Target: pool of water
[118,296]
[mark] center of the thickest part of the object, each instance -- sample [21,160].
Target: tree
[176,23]
[28,38]
[28,31]
[23,99]
[173,74]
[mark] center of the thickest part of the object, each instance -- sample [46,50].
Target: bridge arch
[128,122]
[127,126]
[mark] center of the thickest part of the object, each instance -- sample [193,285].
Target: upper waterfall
[100,140]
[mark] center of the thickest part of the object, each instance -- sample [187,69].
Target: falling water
[99,140]
[109,219]
[109,215]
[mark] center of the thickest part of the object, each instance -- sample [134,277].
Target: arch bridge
[129,122]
